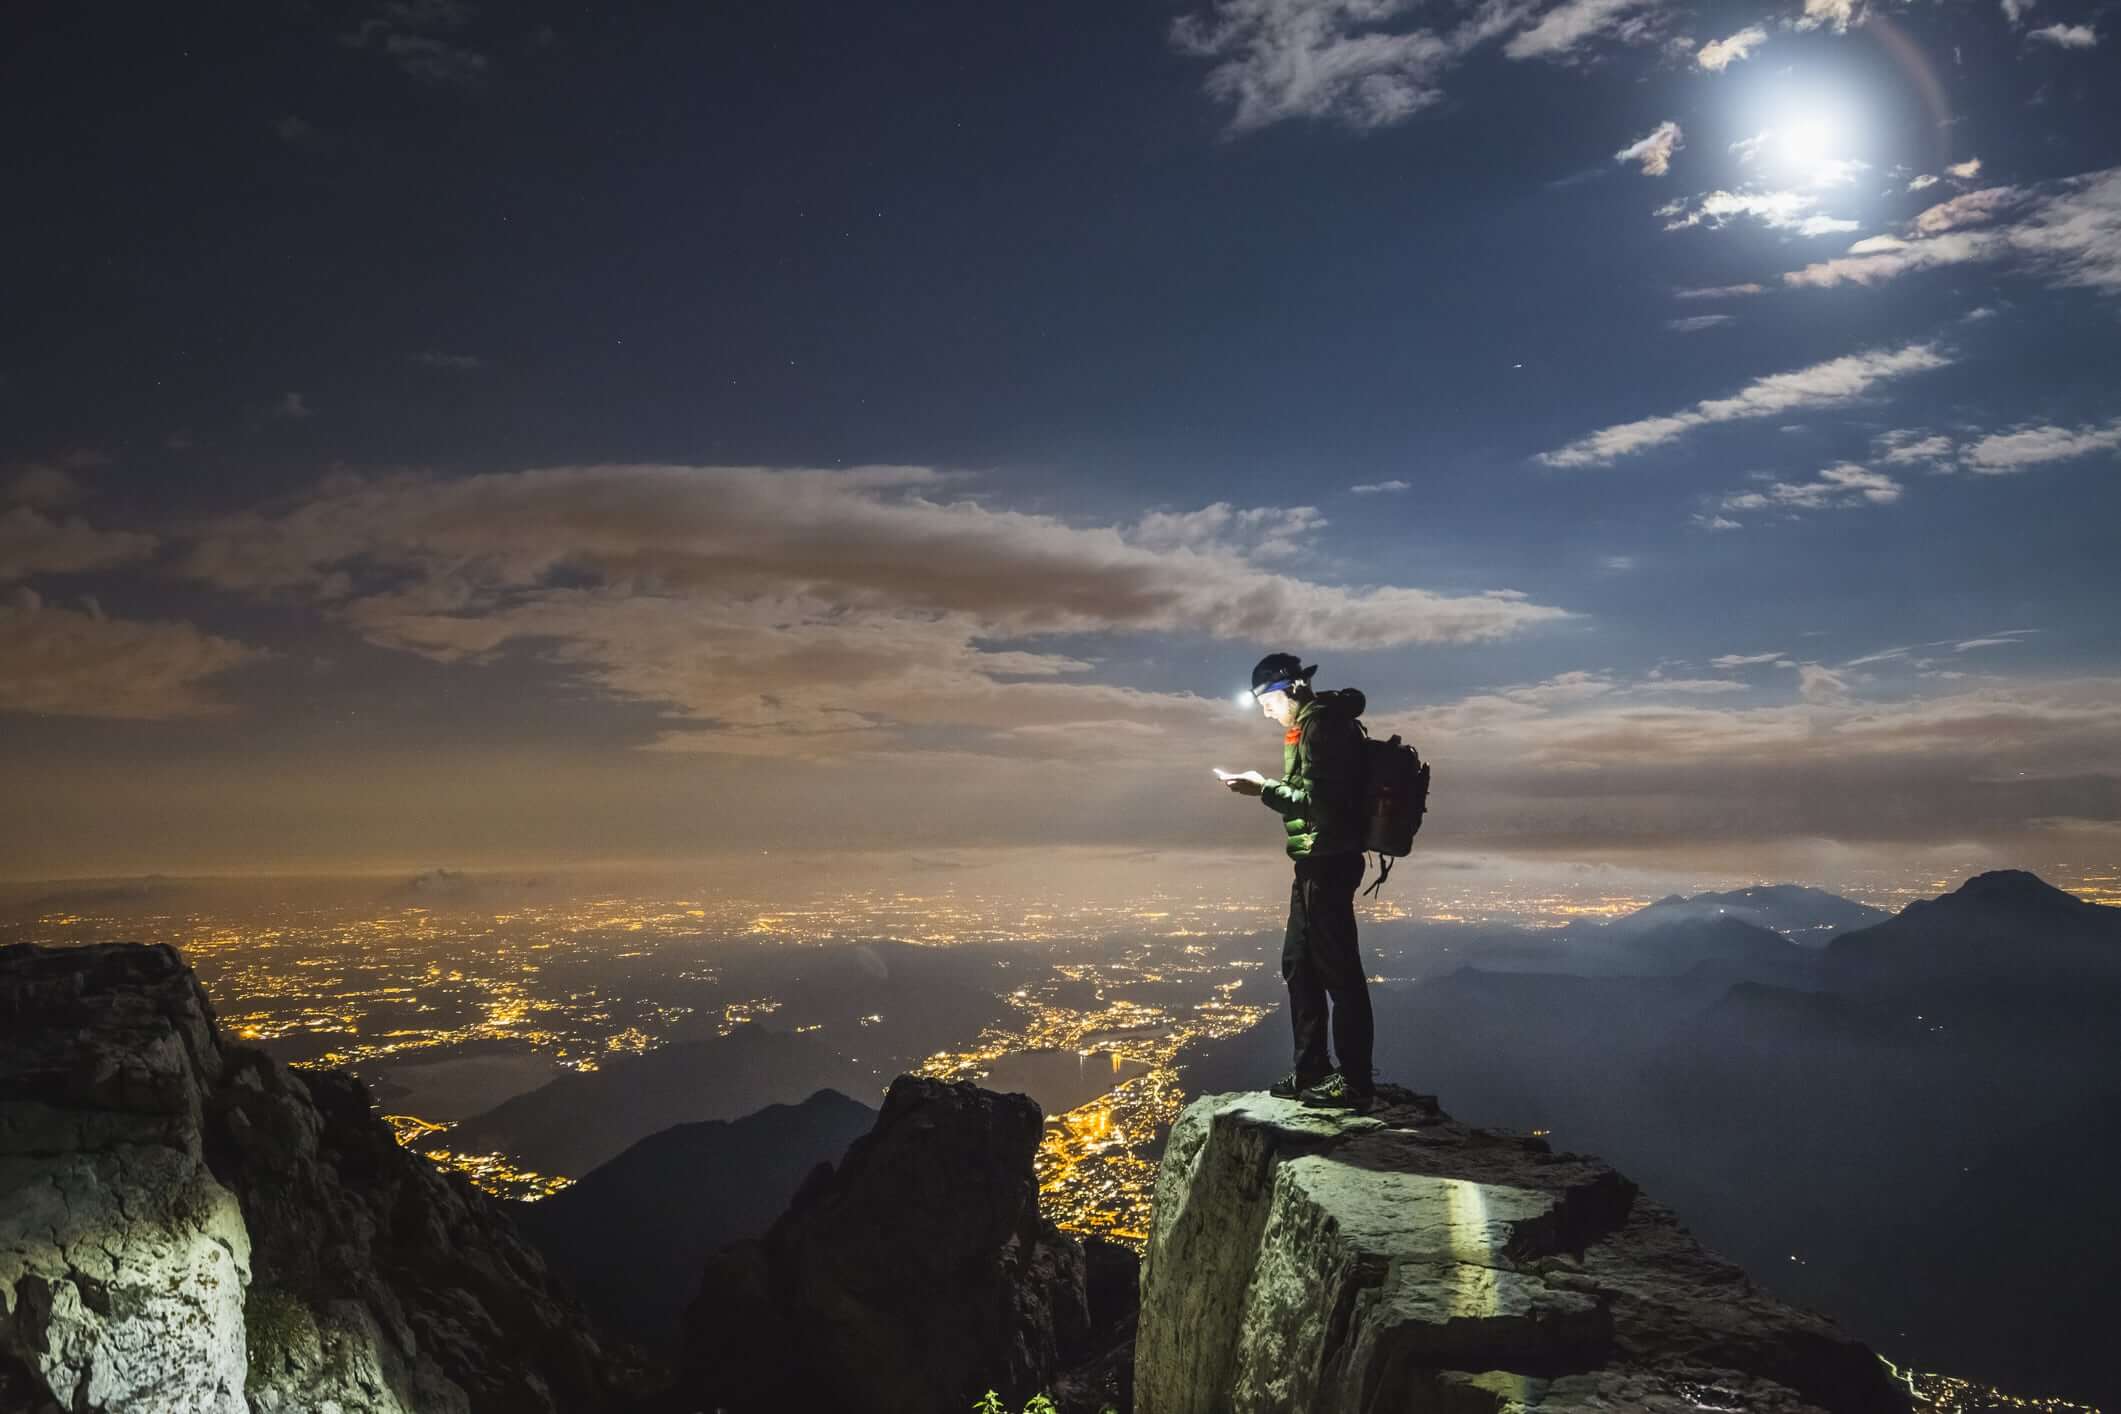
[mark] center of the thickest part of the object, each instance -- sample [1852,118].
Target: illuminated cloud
[2014,10]
[1836,15]
[857,601]
[1783,210]
[1654,150]
[2068,233]
[1965,171]
[1575,23]
[1719,54]
[80,663]
[1743,660]
[1694,324]
[32,543]
[1720,292]
[1836,381]
[2066,36]
[1373,488]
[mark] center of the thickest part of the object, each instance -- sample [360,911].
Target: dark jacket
[1319,795]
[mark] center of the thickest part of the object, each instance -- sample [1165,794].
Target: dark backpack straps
[1384,872]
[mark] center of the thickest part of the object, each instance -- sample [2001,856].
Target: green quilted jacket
[1319,795]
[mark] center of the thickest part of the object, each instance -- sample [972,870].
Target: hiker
[1319,798]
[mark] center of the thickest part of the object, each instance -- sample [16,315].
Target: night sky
[432,433]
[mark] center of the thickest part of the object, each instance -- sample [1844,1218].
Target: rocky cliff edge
[188,1225]
[1304,1259]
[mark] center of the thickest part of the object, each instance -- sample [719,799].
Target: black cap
[1280,667]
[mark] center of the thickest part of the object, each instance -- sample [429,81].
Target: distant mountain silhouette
[1797,912]
[580,1120]
[634,1234]
[2003,926]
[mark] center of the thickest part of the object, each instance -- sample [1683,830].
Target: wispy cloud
[2068,233]
[32,543]
[1836,15]
[1575,23]
[1836,381]
[2002,453]
[64,662]
[2066,36]
[1333,60]
[860,601]
[410,34]
[1373,488]
[1837,487]
[1653,151]
[1695,323]
[1719,54]
[1783,210]
[1719,292]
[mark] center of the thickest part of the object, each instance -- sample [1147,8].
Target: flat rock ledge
[1321,1261]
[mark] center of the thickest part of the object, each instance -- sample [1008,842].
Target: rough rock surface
[914,1277]
[1304,1259]
[188,1225]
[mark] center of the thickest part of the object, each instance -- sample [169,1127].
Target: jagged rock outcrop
[912,1278]
[1305,1259]
[188,1225]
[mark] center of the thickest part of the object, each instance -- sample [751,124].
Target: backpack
[1395,797]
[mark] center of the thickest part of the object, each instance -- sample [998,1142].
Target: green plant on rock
[991,1403]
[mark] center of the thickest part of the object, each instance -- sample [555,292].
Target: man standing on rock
[1319,799]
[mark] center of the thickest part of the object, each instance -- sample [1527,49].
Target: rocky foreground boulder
[1304,1259]
[911,1278]
[186,1225]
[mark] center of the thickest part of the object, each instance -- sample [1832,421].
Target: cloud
[293,407]
[1322,59]
[1715,522]
[1835,488]
[2002,453]
[1619,563]
[1719,54]
[1926,180]
[1694,324]
[2067,233]
[1743,660]
[1834,382]
[2066,36]
[1825,226]
[1720,292]
[409,33]
[1908,447]
[1835,759]
[33,544]
[73,663]
[1373,488]
[449,362]
[1783,210]
[1574,23]
[1264,532]
[1836,15]
[43,484]
[1965,171]
[2014,10]
[1653,151]
[860,603]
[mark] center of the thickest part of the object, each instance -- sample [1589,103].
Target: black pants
[1319,961]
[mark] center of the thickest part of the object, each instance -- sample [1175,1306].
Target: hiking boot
[1335,1093]
[1292,1085]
